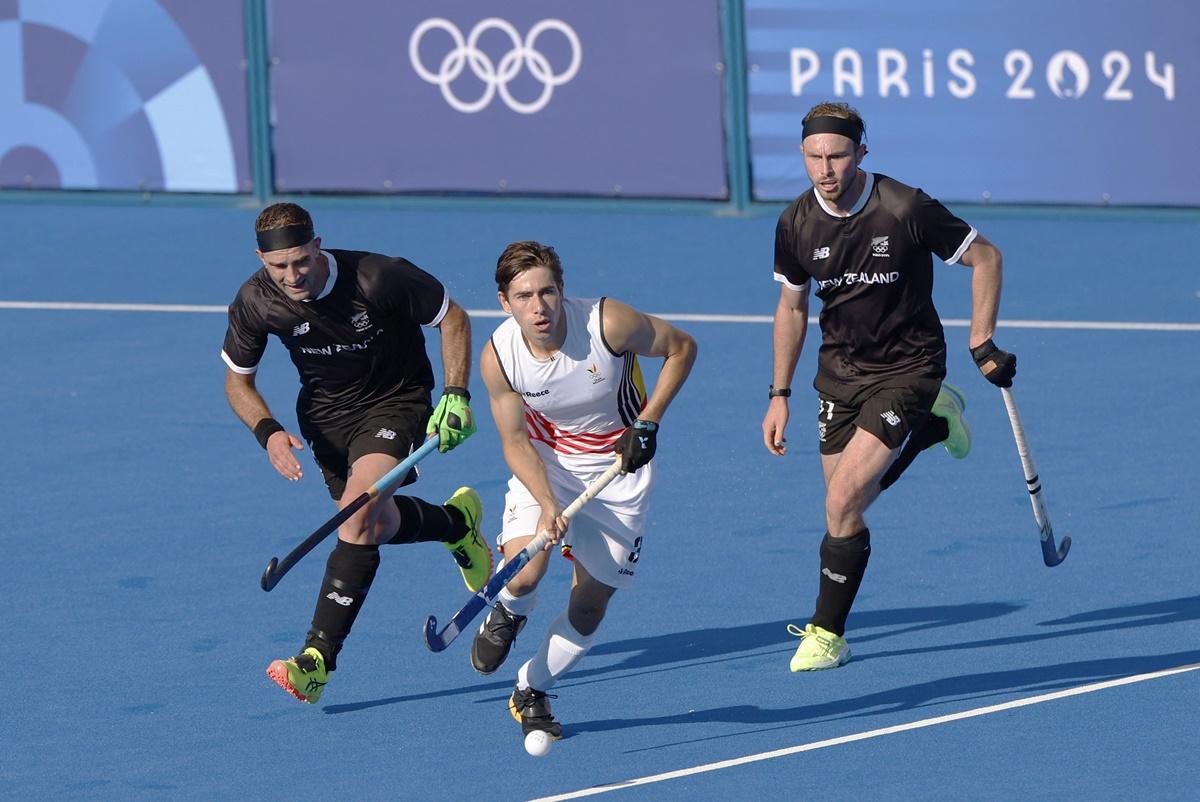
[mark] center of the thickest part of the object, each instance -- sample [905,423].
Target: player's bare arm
[627,329]
[248,404]
[452,419]
[987,273]
[788,332]
[508,412]
[455,328]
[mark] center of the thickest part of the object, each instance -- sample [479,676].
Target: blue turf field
[139,514]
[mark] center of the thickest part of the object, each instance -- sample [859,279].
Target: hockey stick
[437,641]
[1050,555]
[386,484]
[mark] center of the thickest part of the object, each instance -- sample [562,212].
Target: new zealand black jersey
[356,344]
[873,271]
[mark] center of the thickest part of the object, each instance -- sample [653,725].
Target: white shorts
[606,535]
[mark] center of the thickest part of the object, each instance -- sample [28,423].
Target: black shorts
[394,427]
[889,409]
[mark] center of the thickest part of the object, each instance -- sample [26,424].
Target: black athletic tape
[280,239]
[346,587]
[834,125]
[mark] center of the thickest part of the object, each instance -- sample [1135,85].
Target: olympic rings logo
[495,77]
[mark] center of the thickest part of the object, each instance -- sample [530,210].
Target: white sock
[518,605]
[558,654]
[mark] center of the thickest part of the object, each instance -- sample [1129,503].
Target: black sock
[843,563]
[421,522]
[348,576]
[934,431]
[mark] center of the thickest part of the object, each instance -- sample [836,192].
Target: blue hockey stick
[437,641]
[386,484]
[1050,555]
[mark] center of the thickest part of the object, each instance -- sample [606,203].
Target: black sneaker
[531,708]
[495,639]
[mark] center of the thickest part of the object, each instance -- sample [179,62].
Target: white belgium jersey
[577,405]
[580,401]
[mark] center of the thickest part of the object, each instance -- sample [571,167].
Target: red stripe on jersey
[544,430]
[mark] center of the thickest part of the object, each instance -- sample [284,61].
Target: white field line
[1092,325]
[862,736]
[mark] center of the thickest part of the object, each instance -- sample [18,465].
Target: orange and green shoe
[303,676]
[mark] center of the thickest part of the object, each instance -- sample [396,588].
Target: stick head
[433,641]
[1052,557]
[269,578]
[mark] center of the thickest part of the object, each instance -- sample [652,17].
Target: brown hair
[525,255]
[281,215]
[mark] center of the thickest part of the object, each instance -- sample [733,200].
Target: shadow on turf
[968,687]
[701,646]
[1043,679]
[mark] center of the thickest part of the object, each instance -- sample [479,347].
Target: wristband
[645,425]
[265,428]
[782,392]
[451,389]
[981,352]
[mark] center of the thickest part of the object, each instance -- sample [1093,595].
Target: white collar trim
[329,282]
[863,197]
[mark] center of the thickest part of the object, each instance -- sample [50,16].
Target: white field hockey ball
[537,743]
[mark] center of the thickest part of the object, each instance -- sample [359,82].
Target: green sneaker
[472,554]
[819,648]
[303,676]
[949,405]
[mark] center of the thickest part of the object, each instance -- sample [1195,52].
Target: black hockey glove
[637,445]
[997,366]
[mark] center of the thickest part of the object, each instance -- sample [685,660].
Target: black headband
[834,125]
[280,239]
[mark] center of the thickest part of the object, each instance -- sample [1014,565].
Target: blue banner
[1016,102]
[610,97]
[123,94]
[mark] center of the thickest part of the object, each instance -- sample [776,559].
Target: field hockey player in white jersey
[567,394]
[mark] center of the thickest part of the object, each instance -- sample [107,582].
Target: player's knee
[524,583]
[586,620]
[586,614]
[841,501]
[375,524]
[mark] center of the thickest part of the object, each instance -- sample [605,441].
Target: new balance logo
[345,601]
[839,578]
[301,329]
[820,253]
[386,434]
[891,418]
